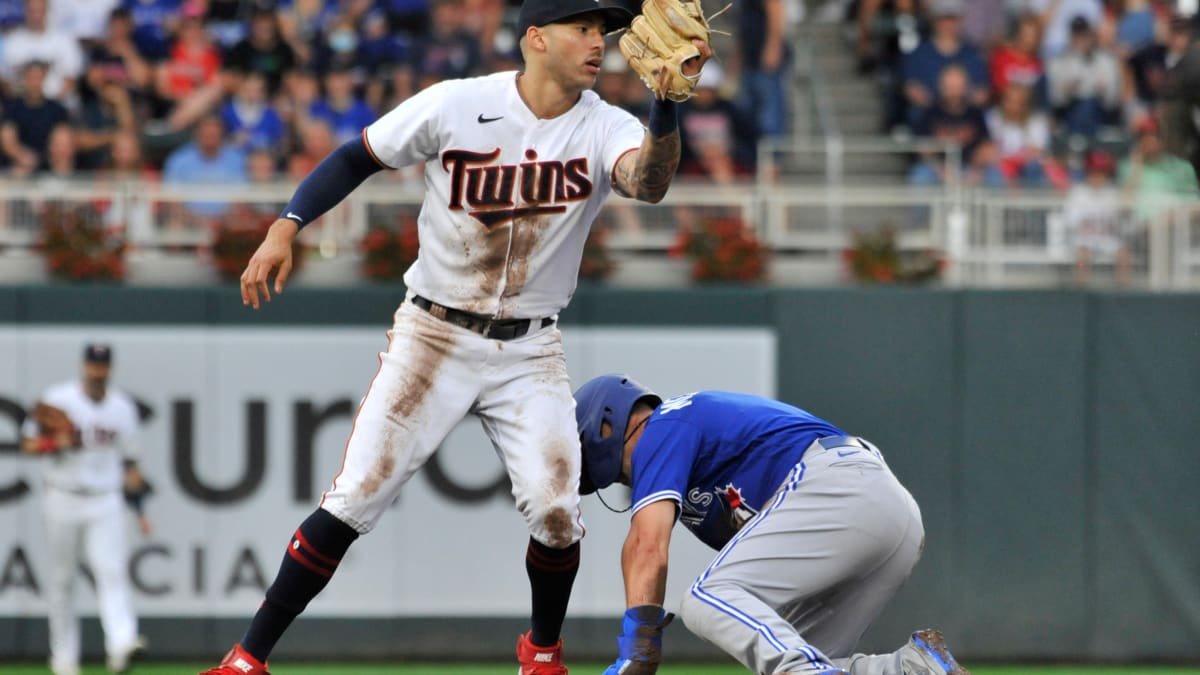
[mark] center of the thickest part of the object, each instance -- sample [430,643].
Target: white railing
[989,238]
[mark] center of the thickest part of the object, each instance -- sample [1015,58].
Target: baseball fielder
[84,431]
[815,533]
[516,167]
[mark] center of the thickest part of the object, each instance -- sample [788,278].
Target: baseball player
[85,432]
[516,167]
[815,533]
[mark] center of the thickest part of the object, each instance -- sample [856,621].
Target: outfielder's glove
[659,39]
[55,428]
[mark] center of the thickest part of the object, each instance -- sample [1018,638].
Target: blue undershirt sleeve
[332,181]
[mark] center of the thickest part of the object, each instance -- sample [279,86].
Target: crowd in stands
[230,90]
[1047,94]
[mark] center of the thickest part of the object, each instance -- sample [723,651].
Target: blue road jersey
[720,456]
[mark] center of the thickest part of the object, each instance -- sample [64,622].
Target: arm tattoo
[646,174]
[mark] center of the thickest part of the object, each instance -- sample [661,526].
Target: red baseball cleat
[239,662]
[536,660]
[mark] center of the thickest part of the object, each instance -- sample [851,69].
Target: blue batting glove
[639,647]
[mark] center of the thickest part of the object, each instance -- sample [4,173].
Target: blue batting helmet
[608,398]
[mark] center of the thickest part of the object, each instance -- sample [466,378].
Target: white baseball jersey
[509,198]
[107,429]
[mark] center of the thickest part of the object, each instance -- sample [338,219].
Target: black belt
[493,329]
[831,442]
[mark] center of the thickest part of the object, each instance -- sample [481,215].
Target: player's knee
[556,527]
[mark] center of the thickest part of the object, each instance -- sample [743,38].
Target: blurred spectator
[1085,83]
[316,141]
[765,58]
[1056,17]
[1018,62]
[106,109]
[1136,27]
[955,119]
[714,133]
[262,168]
[118,57]
[263,50]
[337,46]
[250,120]
[34,40]
[382,48]
[225,22]
[189,81]
[301,23]
[154,25]
[483,20]
[1022,137]
[82,19]
[127,173]
[945,47]
[207,160]
[28,120]
[1092,216]
[1149,65]
[400,84]
[1156,179]
[447,50]
[300,92]
[341,108]
[887,33]
[60,156]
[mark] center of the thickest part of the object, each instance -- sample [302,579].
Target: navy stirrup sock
[312,556]
[551,575]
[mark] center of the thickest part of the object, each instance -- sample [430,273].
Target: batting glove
[639,647]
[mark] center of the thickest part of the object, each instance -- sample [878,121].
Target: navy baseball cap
[97,353]
[542,12]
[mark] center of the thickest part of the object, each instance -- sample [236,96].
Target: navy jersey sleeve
[662,461]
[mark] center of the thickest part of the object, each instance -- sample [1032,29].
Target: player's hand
[696,64]
[274,253]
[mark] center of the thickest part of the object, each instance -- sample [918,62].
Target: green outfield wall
[1050,437]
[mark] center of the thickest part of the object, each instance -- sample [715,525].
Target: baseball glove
[659,39]
[55,427]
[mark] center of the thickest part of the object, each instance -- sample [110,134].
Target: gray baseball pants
[797,587]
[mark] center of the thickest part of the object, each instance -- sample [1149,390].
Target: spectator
[301,23]
[119,57]
[1056,16]
[263,50]
[410,17]
[107,109]
[83,20]
[1085,83]
[886,37]
[1155,179]
[300,92]
[128,209]
[189,81]
[1135,27]
[28,121]
[956,120]
[207,160]
[262,168]
[346,113]
[1092,216]
[155,23]
[483,20]
[316,141]
[1148,66]
[1018,60]
[985,23]
[1022,137]
[60,167]
[225,21]
[250,119]
[714,134]
[34,40]
[765,59]
[447,50]
[382,48]
[337,46]
[945,46]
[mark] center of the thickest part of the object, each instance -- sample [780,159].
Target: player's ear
[535,38]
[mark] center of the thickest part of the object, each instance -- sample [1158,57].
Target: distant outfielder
[815,533]
[85,431]
[517,165]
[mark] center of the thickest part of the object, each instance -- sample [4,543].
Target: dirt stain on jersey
[527,234]
[490,265]
[385,465]
[426,355]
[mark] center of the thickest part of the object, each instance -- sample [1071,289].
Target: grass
[507,669]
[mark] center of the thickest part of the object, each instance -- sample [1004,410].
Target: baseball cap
[1100,161]
[542,12]
[1080,24]
[96,352]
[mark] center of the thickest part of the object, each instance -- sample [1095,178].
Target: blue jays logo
[715,515]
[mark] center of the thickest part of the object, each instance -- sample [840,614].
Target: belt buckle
[485,327]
